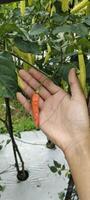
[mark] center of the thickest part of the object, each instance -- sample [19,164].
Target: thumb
[75,87]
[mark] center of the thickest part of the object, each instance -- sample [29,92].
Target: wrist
[79,148]
[78,159]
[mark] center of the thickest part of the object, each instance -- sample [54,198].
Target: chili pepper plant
[50,35]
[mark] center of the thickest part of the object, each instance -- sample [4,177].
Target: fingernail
[18,94]
[21,71]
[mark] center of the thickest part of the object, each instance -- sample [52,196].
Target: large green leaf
[64,28]
[87,20]
[84,43]
[27,46]
[38,29]
[8,28]
[8,76]
[79,29]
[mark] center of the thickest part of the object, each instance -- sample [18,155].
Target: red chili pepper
[35,109]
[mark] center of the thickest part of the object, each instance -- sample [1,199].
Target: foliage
[57,167]
[47,34]
[8,80]
[25,123]
[60,169]
[2,188]
[43,25]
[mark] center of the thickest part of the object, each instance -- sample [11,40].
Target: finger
[29,92]
[76,90]
[46,82]
[24,102]
[33,83]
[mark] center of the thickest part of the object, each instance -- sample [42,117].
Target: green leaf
[64,28]
[17,134]
[2,188]
[8,141]
[59,172]
[8,28]
[67,174]
[61,195]
[27,46]
[6,55]
[53,169]
[70,49]
[59,18]
[79,29]
[38,29]
[84,43]
[8,76]
[63,167]
[57,165]
[87,20]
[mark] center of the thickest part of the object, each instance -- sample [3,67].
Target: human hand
[63,118]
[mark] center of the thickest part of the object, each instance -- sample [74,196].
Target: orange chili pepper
[35,108]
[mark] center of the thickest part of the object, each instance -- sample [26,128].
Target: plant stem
[30,64]
[10,130]
[70,188]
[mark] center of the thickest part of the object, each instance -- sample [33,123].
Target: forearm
[79,161]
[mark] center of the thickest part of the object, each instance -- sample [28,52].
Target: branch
[10,130]
[29,64]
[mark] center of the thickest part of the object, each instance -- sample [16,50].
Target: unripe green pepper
[79,6]
[82,68]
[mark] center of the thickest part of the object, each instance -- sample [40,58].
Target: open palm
[62,117]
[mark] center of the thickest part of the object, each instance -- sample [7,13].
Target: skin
[65,120]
